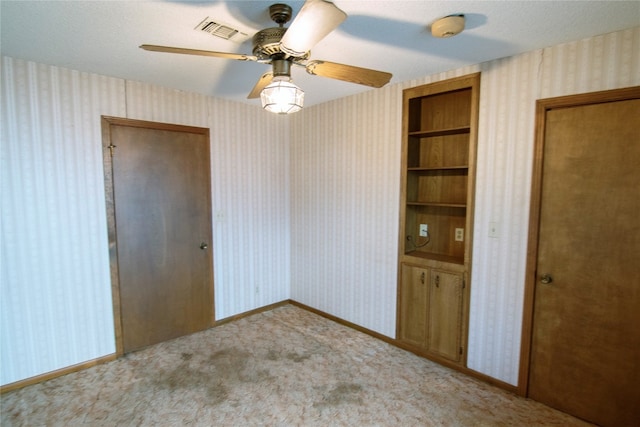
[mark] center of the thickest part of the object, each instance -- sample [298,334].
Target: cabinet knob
[203,246]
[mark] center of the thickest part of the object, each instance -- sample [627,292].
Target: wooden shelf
[440,132]
[438,204]
[435,257]
[436,169]
[439,125]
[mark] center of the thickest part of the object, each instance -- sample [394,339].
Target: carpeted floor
[285,367]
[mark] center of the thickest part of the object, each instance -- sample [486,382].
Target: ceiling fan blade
[226,55]
[316,19]
[263,81]
[348,73]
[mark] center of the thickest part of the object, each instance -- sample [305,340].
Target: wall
[55,294]
[306,209]
[345,176]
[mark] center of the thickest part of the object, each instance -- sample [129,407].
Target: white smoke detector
[448,26]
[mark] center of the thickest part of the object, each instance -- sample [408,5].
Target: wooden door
[445,314]
[585,280]
[414,301]
[158,189]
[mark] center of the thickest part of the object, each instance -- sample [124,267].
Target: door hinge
[464,283]
[461,351]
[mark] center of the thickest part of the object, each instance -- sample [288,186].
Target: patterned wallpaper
[345,178]
[304,207]
[55,296]
[55,290]
[344,191]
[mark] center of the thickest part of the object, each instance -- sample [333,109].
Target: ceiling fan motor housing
[266,45]
[267,42]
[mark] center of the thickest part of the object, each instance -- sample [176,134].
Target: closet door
[585,347]
[161,229]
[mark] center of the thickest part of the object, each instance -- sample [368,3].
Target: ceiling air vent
[222,30]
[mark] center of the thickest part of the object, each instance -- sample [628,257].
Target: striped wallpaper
[305,207]
[345,181]
[56,295]
[55,300]
[345,166]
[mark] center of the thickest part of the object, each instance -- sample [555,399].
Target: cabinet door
[445,314]
[414,300]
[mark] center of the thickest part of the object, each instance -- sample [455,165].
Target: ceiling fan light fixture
[448,26]
[281,96]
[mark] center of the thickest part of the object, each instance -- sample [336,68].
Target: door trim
[542,106]
[106,123]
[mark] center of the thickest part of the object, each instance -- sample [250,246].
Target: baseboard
[463,369]
[344,322]
[251,312]
[57,373]
[485,378]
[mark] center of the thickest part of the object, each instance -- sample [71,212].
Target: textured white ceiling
[103,37]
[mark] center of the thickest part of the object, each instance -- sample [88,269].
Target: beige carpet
[285,367]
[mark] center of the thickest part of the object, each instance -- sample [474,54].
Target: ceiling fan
[282,47]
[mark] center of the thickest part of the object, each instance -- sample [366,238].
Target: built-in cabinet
[436,214]
[431,310]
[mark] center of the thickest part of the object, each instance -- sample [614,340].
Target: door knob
[546,279]
[203,246]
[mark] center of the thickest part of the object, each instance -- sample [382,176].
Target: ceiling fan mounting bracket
[280,13]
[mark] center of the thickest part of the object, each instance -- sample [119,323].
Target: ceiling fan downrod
[281,67]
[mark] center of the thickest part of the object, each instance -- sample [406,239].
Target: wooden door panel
[585,350]
[161,189]
[414,301]
[445,314]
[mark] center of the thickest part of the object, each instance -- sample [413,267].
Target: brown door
[161,227]
[585,347]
